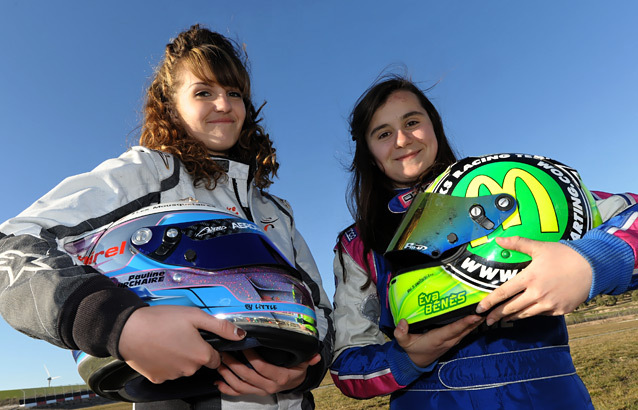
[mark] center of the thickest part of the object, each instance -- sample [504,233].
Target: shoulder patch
[165,159]
[280,201]
[351,243]
[284,203]
[351,234]
[371,308]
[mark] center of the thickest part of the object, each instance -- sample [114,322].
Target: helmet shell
[444,256]
[193,254]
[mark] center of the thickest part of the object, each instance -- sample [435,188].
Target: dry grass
[606,357]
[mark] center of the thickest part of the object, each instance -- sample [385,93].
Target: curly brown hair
[205,52]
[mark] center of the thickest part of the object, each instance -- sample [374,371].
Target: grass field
[605,353]
[606,357]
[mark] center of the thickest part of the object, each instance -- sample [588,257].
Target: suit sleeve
[366,363]
[305,264]
[612,248]
[45,292]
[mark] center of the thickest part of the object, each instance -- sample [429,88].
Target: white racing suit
[47,294]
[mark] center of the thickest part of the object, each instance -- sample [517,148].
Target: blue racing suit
[524,364]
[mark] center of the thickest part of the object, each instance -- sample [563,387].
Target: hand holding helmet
[537,289]
[424,348]
[163,342]
[260,378]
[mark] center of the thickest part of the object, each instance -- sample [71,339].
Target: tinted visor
[436,223]
[215,244]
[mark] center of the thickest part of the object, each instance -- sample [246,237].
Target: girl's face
[401,139]
[209,112]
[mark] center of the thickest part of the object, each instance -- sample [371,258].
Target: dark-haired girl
[518,364]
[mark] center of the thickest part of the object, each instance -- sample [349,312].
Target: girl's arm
[48,293]
[367,364]
[364,358]
[564,274]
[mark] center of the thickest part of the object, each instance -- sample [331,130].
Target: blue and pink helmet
[193,254]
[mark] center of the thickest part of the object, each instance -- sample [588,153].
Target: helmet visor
[436,223]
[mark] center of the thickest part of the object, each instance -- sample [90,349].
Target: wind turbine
[49,378]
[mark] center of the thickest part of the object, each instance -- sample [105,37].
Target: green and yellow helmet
[444,256]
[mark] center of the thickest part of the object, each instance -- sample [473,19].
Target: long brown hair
[370,189]
[204,52]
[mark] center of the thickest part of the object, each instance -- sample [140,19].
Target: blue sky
[551,78]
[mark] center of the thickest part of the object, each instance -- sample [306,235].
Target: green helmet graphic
[443,255]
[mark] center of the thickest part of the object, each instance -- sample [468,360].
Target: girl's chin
[408,181]
[404,184]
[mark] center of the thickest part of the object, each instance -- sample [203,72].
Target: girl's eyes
[206,94]
[408,124]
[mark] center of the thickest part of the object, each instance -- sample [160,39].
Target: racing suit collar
[402,200]
[234,169]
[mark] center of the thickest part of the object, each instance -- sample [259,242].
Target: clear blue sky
[553,78]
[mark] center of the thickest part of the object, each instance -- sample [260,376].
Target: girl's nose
[222,103]
[402,138]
